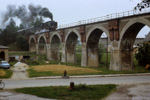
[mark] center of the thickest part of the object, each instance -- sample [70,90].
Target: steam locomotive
[50,25]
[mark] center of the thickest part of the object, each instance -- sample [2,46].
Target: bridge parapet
[106,18]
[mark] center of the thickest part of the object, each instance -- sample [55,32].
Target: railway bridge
[120,28]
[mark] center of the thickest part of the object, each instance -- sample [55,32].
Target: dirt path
[19,71]
[131,92]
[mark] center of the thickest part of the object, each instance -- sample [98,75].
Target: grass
[81,92]
[24,53]
[58,70]
[5,73]
[102,68]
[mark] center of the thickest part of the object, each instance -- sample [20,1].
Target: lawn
[58,70]
[54,70]
[81,92]
[5,73]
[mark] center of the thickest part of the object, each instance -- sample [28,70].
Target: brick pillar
[48,48]
[84,48]
[37,45]
[63,56]
[37,49]
[114,30]
[115,62]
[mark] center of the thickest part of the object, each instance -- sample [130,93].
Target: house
[4,53]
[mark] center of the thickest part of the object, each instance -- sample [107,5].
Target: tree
[142,5]
[22,43]
[9,34]
[38,21]
[143,55]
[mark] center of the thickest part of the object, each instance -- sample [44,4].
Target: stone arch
[32,37]
[92,39]
[57,34]
[42,36]
[97,27]
[130,23]
[42,45]
[71,40]
[128,36]
[2,55]
[72,31]
[32,44]
[55,43]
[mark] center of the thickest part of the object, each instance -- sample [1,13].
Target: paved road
[10,84]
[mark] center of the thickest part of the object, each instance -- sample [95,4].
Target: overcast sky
[68,11]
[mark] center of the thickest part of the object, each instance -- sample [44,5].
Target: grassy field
[58,70]
[54,70]
[5,73]
[101,70]
[81,92]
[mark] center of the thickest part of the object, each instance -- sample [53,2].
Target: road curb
[92,76]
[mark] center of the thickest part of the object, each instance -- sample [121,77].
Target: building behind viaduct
[121,29]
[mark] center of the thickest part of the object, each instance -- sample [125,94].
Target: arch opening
[73,49]
[32,46]
[129,45]
[55,48]
[42,46]
[2,55]
[97,48]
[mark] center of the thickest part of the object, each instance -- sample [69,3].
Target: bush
[143,55]
[147,67]
[32,62]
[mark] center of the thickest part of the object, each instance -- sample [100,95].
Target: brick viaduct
[121,31]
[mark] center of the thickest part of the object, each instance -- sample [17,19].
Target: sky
[69,11]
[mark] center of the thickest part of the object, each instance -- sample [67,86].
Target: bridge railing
[105,18]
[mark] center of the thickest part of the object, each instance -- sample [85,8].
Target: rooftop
[3,47]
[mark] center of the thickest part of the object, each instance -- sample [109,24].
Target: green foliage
[8,74]
[143,55]
[13,47]
[22,42]
[9,34]
[38,21]
[82,92]
[101,50]
[24,53]
[33,73]
[39,61]
[32,62]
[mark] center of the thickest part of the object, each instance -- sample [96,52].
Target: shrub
[147,67]
[32,62]
[143,55]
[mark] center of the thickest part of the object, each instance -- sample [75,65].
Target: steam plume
[26,15]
